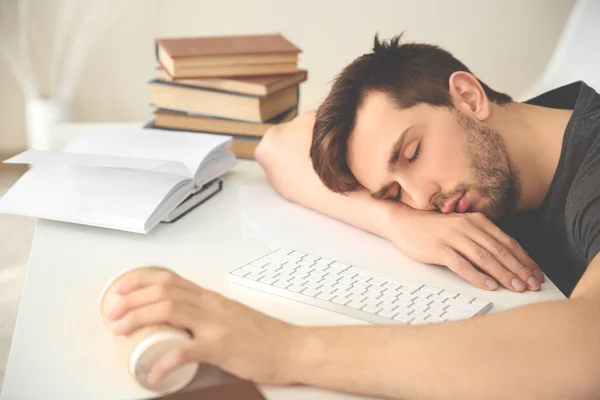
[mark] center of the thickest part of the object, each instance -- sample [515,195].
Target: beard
[494,176]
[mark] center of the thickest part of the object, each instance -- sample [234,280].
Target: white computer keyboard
[354,291]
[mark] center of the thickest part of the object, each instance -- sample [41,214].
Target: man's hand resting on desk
[225,333]
[459,241]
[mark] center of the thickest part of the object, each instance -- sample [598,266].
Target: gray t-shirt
[563,235]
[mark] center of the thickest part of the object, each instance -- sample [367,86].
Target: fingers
[146,277]
[173,359]
[149,295]
[486,261]
[514,249]
[466,270]
[490,255]
[170,312]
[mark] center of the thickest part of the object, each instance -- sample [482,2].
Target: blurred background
[506,43]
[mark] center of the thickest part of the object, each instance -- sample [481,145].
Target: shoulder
[582,208]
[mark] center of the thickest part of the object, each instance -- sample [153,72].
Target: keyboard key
[463,298]
[435,311]
[431,289]
[340,300]
[391,292]
[348,274]
[418,307]
[296,288]
[372,295]
[297,254]
[422,301]
[387,306]
[270,274]
[357,290]
[327,288]
[324,261]
[309,257]
[409,284]
[455,304]
[306,264]
[255,270]
[387,298]
[402,302]
[403,318]
[268,280]
[422,294]
[272,267]
[253,276]
[342,286]
[282,284]
[480,303]
[391,285]
[325,296]
[448,294]
[387,313]
[314,278]
[356,304]
[372,302]
[361,277]
[240,272]
[403,310]
[407,297]
[419,315]
[363,284]
[376,288]
[347,280]
[341,293]
[312,285]
[299,281]
[357,297]
[284,277]
[419,321]
[407,289]
[371,309]
[437,298]
[310,292]
[376,281]
[434,319]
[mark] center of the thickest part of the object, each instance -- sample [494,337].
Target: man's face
[431,158]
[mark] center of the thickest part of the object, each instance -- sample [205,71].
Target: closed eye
[416,154]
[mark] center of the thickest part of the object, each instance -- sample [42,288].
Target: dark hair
[410,73]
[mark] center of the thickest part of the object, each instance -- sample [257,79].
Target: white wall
[506,43]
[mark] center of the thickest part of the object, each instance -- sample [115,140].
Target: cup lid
[150,350]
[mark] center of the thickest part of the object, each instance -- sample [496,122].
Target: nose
[418,196]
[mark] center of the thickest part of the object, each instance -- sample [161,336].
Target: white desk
[61,350]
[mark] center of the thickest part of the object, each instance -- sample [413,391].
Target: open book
[121,178]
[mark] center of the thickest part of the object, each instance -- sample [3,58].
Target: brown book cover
[261,85]
[201,123]
[210,46]
[189,57]
[220,104]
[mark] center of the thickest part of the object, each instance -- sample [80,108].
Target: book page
[189,148]
[49,158]
[107,197]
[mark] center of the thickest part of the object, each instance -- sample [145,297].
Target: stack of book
[233,85]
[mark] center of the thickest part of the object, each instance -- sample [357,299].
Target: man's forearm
[542,351]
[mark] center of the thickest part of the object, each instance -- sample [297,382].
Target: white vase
[42,115]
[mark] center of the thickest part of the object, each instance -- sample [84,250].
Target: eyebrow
[392,161]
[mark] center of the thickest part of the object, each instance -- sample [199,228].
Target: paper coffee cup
[142,348]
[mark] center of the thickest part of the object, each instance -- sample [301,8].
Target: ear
[468,95]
